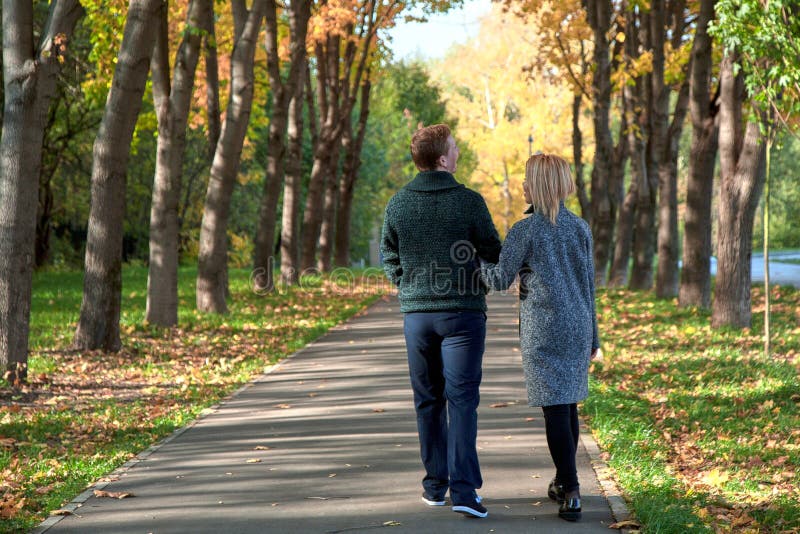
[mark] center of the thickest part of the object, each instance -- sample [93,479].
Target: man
[431,232]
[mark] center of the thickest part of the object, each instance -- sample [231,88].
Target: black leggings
[561,425]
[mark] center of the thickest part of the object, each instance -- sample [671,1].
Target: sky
[430,40]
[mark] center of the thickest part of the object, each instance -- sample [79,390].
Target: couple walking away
[441,249]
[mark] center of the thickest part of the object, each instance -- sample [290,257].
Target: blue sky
[432,39]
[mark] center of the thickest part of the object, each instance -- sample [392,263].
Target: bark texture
[350,167]
[173,102]
[29,83]
[292,190]
[742,162]
[604,201]
[98,327]
[212,270]
[695,284]
[282,94]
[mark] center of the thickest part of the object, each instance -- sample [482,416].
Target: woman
[551,250]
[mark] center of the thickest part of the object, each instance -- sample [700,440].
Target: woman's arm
[515,249]
[590,282]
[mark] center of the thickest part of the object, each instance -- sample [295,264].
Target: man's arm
[390,250]
[484,234]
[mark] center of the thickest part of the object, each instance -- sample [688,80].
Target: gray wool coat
[558,322]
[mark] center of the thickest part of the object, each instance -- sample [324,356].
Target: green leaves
[766,36]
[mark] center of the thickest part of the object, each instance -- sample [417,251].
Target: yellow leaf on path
[628,523]
[261,448]
[392,523]
[498,405]
[254,461]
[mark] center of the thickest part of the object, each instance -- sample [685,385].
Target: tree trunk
[172,109]
[282,93]
[695,288]
[667,275]
[98,327]
[212,271]
[577,157]
[742,162]
[292,190]
[350,169]
[604,203]
[624,239]
[632,111]
[656,116]
[29,84]
[329,212]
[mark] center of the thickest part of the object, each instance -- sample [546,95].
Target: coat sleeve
[484,234]
[390,249]
[501,275]
[590,283]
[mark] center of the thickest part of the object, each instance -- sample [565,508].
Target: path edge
[604,474]
[120,471]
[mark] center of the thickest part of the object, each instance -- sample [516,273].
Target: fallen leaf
[254,461]
[498,405]
[392,524]
[61,512]
[283,406]
[112,494]
[628,523]
[260,448]
[378,410]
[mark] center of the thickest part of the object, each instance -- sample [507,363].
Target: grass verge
[702,429]
[83,414]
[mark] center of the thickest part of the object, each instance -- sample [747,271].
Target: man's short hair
[428,144]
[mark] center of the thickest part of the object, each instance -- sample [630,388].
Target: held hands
[594,354]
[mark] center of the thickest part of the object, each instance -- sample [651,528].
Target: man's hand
[594,354]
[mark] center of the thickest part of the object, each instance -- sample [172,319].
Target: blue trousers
[445,353]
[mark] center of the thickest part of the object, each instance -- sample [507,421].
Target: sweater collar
[531,210]
[433,181]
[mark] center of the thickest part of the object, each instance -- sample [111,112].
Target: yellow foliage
[500,99]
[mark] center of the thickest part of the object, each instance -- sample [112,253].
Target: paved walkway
[340,450]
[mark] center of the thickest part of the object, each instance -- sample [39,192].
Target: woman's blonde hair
[549,181]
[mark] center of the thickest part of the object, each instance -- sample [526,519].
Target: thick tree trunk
[604,201]
[212,271]
[577,158]
[742,162]
[695,288]
[98,327]
[282,93]
[29,84]
[172,109]
[352,163]
[292,190]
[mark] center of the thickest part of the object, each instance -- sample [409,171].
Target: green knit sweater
[432,231]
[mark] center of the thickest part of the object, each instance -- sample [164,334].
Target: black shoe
[556,491]
[433,501]
[474,509]
[570,509]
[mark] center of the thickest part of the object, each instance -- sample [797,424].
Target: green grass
[702,429]
[84,414]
